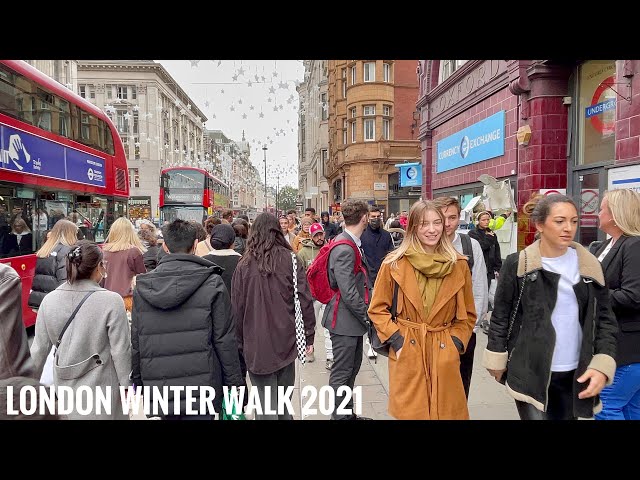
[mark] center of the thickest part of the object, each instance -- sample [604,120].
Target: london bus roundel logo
[464,147]
[90,174]
[597,121]
[412,173]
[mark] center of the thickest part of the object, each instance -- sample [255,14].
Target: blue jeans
[621,400]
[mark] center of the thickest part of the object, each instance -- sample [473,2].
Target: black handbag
[503,379]
[378,346]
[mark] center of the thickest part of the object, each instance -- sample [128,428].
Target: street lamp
[264,149]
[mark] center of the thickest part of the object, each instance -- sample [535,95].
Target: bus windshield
[184,179]
[171,213]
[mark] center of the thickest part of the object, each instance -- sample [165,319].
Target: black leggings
[560,405]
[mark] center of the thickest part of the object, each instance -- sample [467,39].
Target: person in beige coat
[96,348]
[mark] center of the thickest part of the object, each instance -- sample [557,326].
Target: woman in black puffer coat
[51,265]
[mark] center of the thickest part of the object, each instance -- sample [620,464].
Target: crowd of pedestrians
[229,302]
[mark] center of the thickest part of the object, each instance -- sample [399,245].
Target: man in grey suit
[350,326]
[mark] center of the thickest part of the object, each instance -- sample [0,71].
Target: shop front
[140,207]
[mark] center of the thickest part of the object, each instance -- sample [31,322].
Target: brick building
[371,128]
[584,126]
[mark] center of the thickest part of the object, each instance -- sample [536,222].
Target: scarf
[430,269]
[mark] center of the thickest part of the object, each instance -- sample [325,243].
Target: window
[344,88]
[369,72]
[369,110]
[135,123]
[386,129]
[122,122]
[386,110]
[324,156]
[82,91]
[369,129]
[122,92]
[344,132]
[344,73]
[353,132]
[136,147]
[353,75]
[598,104]
[92,92]
[134,93]
[325,106]
[447,67]
[353,112]
[134,178]
[386,72]
[108,89]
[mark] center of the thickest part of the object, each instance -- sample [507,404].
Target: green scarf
[430,269]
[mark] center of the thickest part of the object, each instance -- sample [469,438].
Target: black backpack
[467,249]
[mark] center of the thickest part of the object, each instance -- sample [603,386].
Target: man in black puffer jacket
[182,331]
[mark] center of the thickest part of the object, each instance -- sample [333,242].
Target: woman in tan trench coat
[435,318]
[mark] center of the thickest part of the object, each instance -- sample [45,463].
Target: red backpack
[318,276]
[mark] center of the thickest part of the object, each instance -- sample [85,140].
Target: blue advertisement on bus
[26,153]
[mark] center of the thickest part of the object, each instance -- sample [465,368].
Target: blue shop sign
[410,174]
[27,153]
[478,142]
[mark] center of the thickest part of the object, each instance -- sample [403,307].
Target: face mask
[375,223]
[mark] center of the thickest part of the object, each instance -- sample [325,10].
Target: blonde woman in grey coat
[95,350]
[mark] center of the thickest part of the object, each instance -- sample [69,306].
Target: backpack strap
[467,249]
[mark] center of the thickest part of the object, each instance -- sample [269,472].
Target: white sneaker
[371,353]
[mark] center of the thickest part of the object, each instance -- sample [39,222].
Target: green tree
[287,197]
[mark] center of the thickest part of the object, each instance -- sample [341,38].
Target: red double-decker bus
[60,158]
[186,193]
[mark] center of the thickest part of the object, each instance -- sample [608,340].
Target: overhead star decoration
[189,106]
[263,78]
[219,62]
[275,108]
[269,99]
[214,116]
[240,102]
[235,78]
[182,111]
[148,139]
[177,102]
[283,85]
[270,141]
[127,116]
[275,74]
[206,103]
[288,121]
[194,63]
[272,90]
[232,108]
[241,71]
[281,106]
[261,115]
[244,116]
[222,91]
[257,77]
[249,83]
[136,108]
[251,107]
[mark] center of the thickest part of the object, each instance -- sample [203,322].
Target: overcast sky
[250,88]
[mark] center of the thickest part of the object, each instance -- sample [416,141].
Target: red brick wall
[627,116]
[497,167]
[543,163]
[405,98]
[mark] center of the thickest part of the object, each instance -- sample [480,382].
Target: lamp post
[264,149]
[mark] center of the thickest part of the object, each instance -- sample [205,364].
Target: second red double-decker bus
[186,193]
[60,157]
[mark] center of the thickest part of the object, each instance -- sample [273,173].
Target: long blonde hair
[64,232]
[416,215]
[122,236]
[625,210]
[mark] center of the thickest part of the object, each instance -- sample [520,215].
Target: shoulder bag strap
[301,339]
[515,310]
[73,315]
[394,303]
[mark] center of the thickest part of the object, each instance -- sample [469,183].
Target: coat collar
[588,265]
[606,261]
[406,278]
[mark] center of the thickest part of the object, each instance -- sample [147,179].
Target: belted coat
[425,382]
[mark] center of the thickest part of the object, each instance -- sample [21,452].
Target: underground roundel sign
[600,105]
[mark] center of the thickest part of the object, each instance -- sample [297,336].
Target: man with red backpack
[339,277]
